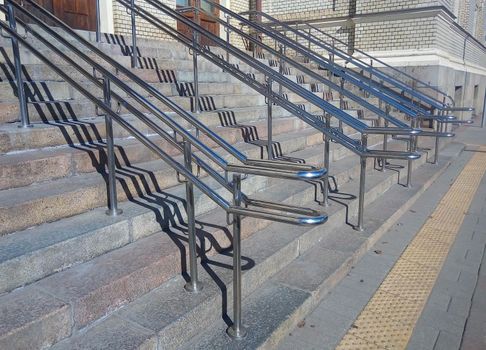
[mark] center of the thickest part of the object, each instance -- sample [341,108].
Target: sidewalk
[348,320]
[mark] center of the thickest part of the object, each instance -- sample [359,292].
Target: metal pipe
[411,148]
[98,22]
[362,183]
[134,35]
[341,102]
[437,141]
[484,110]
[269,118]
[195,45]
[385,138]
[280,69]
[236,330]
[24,111]
[228,33]
[196,107]
[110,154]
[327,146]
[193,285]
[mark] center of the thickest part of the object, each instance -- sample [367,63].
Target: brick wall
[406,34]
[122,21]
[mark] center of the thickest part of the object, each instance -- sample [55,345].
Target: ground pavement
[423,284]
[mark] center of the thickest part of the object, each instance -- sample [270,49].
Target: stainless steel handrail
[168,102]
[319,42]
[305,52]
[359,148]
[271,211]
[292,86]
[411,109]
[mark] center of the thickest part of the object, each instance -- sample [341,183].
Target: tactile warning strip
[388,319]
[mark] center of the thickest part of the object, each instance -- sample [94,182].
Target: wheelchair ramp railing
[268,40]
[105,75]
[264,84]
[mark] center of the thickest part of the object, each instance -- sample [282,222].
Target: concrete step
[283,300]
[86,130]
[26,168]
[69,196]
[51,109]
[124,269]
[61,241]
[60,90]
[175,317]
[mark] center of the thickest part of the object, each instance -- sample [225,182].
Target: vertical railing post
[98,21]
[437,140]
[411,148]
[331,59]
[281,68]
[110,154]
[385,138]
[236,330]
[195,46]
[228,34]
[341,100]
[308,39]
[362,183]
[484,110]
[193,285]
[24,111]
[134,35]
[327,146]
[270,118]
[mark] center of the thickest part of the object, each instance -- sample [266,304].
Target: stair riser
[68,204]
[90,158]
[56,90]
[81,108]
[14,139]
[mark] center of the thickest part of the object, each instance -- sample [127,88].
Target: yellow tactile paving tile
[388,319]
[350,342]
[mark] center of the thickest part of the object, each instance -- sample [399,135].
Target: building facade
[440,41]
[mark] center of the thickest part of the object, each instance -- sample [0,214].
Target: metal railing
[240,205]
[359,147]
[374,71]
[410,110]
[414,107]
[321,123]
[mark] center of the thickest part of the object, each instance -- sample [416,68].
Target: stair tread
[19,248]
[163,309]
[292,292]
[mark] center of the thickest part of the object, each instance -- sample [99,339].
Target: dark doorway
[207,22]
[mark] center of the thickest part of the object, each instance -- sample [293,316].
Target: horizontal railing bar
[277,217]
[283,174]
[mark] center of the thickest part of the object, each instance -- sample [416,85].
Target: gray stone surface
[263,312]
[111,334]
[30,319]
[474,336]
[346,300]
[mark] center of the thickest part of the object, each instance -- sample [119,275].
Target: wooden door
[78,14]
[207,22]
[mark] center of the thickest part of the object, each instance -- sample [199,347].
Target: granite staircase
[75,278]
